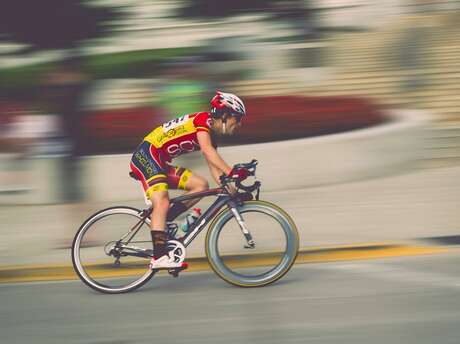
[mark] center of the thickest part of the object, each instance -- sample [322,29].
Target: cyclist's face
[229,128]
[231,125]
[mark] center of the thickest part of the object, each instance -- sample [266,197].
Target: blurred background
[85,78]
[349,89]
[353,113]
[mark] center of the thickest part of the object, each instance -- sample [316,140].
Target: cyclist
[151,163]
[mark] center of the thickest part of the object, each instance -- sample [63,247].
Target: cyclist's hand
[239,173]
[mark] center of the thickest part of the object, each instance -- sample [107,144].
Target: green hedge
[130,64]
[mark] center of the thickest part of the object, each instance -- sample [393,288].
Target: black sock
[176,209]
[159,243]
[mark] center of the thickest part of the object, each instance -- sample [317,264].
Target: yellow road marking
[370,253]
[34,273]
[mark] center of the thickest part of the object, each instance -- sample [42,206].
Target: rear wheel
[276,245]
[111,250]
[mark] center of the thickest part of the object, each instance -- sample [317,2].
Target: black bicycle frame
[222,199]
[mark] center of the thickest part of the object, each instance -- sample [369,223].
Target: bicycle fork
[250,243]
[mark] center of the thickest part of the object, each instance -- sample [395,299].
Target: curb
[446,240]
[39,273]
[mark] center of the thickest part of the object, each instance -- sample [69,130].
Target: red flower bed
[268,119]
[120,123]
[290,117]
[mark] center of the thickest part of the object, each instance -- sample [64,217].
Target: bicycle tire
[76,246]
[288,256]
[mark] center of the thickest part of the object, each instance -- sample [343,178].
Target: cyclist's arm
[216,173]
[217,165]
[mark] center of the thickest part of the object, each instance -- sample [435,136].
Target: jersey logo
[175,123]
[186,146]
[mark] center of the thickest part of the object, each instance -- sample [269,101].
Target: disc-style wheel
[276,245]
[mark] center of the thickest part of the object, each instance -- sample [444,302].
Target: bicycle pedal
[175,272]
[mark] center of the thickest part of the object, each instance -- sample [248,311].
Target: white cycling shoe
[167,262]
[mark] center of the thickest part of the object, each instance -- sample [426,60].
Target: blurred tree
[298,13]
[59,25]
[223,8]
[53,24]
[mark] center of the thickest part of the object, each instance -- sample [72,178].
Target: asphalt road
[395,300]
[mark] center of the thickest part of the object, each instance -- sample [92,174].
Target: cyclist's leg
[184,179]
[160,202]
[146,163]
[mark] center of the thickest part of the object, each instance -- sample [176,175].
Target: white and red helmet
[227,102]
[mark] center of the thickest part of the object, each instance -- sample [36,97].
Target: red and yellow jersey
[178,136]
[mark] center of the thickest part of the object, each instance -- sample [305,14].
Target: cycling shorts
[155,172]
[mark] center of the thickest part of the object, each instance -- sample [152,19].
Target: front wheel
[276,245]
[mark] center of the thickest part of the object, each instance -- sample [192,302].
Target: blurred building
[399,53]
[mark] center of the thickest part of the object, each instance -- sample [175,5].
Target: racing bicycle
[249,242]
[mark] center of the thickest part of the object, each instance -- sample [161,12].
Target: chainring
[176,251]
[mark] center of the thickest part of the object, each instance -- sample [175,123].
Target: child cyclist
[151,162]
